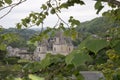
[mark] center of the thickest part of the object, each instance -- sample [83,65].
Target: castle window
[55,39]
[39,49]
[69,49]
[54,49]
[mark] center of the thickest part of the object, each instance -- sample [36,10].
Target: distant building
[19,52]
[58,44]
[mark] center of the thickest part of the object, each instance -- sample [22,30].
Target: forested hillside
[23,36]
[97,25]
[24,33]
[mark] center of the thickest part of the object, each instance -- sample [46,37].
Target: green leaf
[80,59]
[38,22]
[77,58]
[2,46]
[117,47]
[52,34]
[8,1]
[52,11]
[1,3]
[18,79]
[34,77]
[81,3]
[32,67]
[80,77]
[95,45]
[24,22]
[64,5]
[27,20]
[45,62]
[23,61]
[74,21]
[98,6]
[44,7]
[116,75]
[74,34]
[1,29]
[69,58]
[19,26]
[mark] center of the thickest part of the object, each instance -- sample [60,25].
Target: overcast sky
[82,13]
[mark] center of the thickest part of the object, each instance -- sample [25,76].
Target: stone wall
[41,49]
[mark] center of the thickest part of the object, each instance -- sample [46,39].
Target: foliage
[5,39]
[54,65]
[92,45]
[78,57]
[111,67]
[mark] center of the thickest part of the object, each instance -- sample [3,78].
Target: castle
[59,44]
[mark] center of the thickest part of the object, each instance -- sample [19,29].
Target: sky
[82,13]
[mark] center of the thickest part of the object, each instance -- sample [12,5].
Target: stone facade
[58,44]
[19,52]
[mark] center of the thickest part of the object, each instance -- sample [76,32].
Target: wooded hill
[24,33]
[97,25]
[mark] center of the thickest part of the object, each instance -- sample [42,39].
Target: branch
[56,23]
[58,15]
[112,2]
[12,6]
[7,13]
[62,19]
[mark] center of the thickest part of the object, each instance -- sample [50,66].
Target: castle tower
[62,44]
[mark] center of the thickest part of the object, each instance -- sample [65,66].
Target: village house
[19,52]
